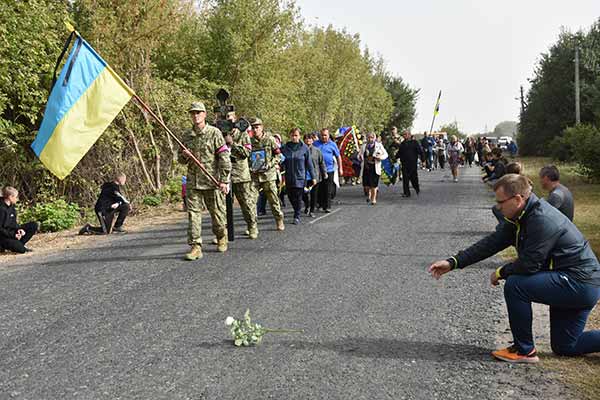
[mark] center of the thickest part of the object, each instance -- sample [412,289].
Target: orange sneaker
[511,355]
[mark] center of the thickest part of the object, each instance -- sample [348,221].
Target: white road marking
[323,216]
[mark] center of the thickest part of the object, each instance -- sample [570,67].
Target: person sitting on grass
[514,167]
[555,265]
[497,169]
[110,203]
[13,237]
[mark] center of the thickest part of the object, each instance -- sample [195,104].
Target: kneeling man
[111,203]
[555,266]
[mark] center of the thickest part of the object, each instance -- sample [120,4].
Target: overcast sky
[478,52]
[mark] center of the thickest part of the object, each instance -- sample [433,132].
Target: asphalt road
[130,319]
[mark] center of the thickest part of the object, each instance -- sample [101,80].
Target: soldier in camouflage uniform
[243,188]
[206,143]
[264,178]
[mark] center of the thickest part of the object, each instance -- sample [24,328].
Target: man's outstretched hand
[439,268]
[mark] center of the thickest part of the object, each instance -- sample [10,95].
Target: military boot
[253,232]
[195,253]
[280,225]
[222,244]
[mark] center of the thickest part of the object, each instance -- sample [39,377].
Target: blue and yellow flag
[83,102]
[436,110]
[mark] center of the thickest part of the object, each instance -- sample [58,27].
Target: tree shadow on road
[398,349]
[377,348]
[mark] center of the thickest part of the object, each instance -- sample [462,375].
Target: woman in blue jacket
[297,164]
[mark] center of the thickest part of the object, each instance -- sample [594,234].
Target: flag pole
[179,142]
[435,111]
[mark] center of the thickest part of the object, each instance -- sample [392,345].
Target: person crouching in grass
[13,237]
[555,266]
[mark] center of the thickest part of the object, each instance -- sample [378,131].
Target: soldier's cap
[197,106]
[256,122]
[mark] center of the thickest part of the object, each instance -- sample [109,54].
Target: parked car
[504,141]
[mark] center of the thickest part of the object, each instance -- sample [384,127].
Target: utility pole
[577,88]
[522,101]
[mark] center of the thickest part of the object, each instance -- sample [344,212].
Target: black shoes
[118,229]
[85,230]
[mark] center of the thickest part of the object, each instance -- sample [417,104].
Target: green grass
[580,373]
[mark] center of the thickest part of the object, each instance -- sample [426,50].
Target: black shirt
[8,220]
[408,153]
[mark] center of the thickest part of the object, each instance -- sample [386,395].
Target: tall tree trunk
[139,153]
[171,173]
[156,160]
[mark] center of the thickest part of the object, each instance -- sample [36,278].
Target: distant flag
[436,111]
[83,102]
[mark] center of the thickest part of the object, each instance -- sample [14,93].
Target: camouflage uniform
[209,147]
[243,188]
[265,180]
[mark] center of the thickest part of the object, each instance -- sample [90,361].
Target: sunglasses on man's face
[500,202]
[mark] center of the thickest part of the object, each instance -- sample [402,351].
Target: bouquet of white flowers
[247,333]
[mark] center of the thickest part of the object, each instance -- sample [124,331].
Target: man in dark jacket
[110,203]
[13,236]
[427,144]
[409,152]
[555,266]
[310,198]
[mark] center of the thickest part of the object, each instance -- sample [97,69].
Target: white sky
[478,52]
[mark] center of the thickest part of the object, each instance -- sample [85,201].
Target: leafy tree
[506,128]
[551,99]
[405,101]
[452,130]
[32,35]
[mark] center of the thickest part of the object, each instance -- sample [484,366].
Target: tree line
[172,52]
[547,123]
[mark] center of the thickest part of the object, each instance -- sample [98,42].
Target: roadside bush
[171,192]
[583,141]
[152,201]
[560,149]
[53,216]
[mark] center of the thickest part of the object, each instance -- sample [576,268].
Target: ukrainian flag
[436,110]
[84,100]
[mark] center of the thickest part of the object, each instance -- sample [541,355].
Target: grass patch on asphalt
[581,373]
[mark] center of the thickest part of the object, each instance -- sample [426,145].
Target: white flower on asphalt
[247,333]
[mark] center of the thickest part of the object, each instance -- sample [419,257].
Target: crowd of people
[555,264]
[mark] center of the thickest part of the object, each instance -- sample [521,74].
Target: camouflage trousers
[214,201]
[246,196]
[270,191]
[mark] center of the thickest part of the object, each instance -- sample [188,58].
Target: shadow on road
[379,348]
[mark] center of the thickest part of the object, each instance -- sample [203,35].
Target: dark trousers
[310,199]
[295,196]
[325,190]
[410,174]
[106,218]
[441,159]
[470,157]
[570,304]
[18,246]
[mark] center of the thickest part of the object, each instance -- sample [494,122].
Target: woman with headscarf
[371,154]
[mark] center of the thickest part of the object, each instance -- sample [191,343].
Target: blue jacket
[545,240]
[297,162]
